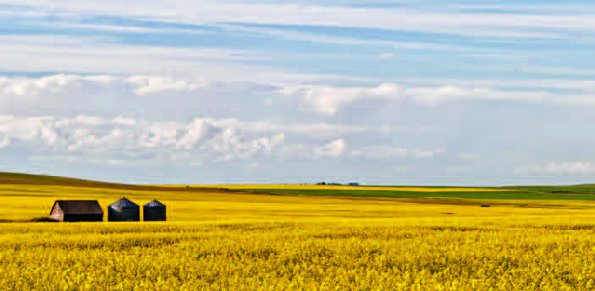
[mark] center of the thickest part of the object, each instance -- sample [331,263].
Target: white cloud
[37,130]
[103,94]
[79,84]
[333,149]
[144,85]
[124,121]
[4,142]
[202,140]
[328,100]
[339,148]
[64,94]
[197,131]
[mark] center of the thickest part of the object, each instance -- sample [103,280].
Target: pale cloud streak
[565,168]
[387,152]
[95,55]
[491,24]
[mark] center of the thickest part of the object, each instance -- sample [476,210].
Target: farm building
[154,211]
[123,210]
[76,210]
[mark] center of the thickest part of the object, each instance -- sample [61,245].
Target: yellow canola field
[246,242]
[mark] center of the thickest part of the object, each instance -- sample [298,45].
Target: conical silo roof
[124,203]
[154,203]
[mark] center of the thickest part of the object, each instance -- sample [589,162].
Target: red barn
[77,210]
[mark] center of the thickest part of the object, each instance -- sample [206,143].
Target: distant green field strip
[577,189]
[522,195]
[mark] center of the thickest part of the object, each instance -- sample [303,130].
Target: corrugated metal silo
[123,210]
[154,211]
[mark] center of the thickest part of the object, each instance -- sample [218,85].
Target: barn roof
[154,203]
[124,203]
[79,206]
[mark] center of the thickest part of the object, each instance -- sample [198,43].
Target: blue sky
[381,92]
